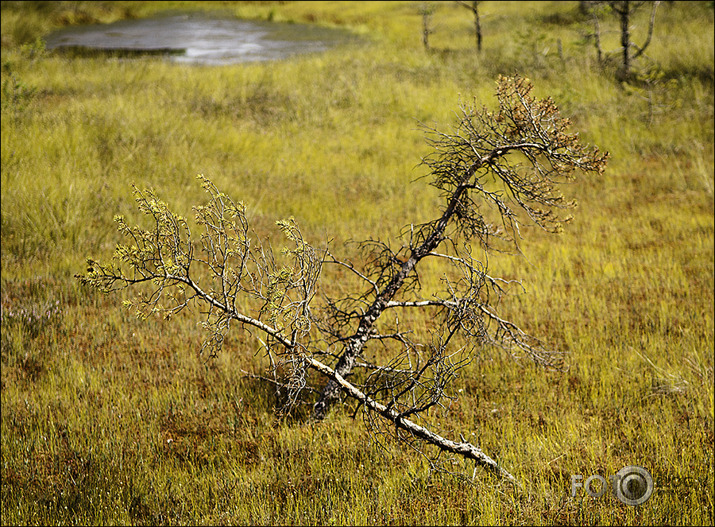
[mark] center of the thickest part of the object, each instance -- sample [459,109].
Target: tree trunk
[356,343]
[426,15]
[625,38]
[477,26]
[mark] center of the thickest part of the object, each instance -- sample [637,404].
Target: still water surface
[202,38]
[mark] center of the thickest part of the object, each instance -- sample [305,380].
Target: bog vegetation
[107,418]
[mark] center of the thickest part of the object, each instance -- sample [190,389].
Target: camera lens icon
[633,485]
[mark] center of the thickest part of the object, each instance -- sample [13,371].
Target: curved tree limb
[464,449]
[506,164]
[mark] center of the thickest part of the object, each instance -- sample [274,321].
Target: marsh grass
[107,419]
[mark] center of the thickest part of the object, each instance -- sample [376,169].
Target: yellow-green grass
[113,420]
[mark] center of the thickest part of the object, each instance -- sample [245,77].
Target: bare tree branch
[495,171]
[651,25]
[465,166]
[463,449]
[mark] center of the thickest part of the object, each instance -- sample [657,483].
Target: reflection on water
[201,38]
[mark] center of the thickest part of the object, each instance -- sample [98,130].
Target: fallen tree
[495,171]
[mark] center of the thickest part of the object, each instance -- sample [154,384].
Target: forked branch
[495,171]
